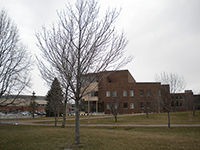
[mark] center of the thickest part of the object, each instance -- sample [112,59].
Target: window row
[125,93]
[176,104]
[177,97]
[131,93]
[115,105]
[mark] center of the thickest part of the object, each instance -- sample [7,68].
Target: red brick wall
[118,81]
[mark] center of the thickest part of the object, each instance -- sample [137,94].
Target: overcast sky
[164,35]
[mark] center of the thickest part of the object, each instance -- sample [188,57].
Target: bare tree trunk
[115,117]
[146,111]
[194,110]
[77,137]
[147,114]
[55,120]
[168,119]
[88,111]
[64,114]
[65,108]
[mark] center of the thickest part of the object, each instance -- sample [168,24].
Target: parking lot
[12,118]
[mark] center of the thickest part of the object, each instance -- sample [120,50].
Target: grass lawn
[102,138]
[160,118]
[49,137]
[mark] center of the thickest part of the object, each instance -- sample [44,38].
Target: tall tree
[81,43]
[15,60]
[176,84]
[55,99]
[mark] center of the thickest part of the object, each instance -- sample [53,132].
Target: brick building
[119,90]
[21,103]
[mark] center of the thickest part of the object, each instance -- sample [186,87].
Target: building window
[159,92]
[107,93]
[131,105]
[114,93]
[172,104]
[125,105]
[148,93]
[181,104]
[124,93]
[176,104]
[115,105]
[94,93]
[181,97]
[142,105]
[141,92]
[108,105]
[172,97]
[131,94]
[176,97]
[148,104]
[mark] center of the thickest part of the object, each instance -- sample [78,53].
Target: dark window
[172,103]
[141,92]
[176,103]
[148,104]
[181,104]
[181,97]
[142,105]
[94,93]
[172,97]
[125,105]
[176,97]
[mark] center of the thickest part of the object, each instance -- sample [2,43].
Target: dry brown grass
[108,138]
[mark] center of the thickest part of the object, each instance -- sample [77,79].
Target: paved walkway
[35,122]
[115,125]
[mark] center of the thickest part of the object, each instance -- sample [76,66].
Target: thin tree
[176,84]
[15,61]
[164,101]
[116,107]
[81,43]
[55,99]
[189,103]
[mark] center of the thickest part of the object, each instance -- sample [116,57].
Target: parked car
[25,113]
[2,114]
[41,113]
[71,113]
[82,113]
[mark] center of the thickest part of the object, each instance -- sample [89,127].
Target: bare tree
[145,103]
[176,82]
[116,107]
[190,103]
[81,43]
[15,61]
[164,101]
